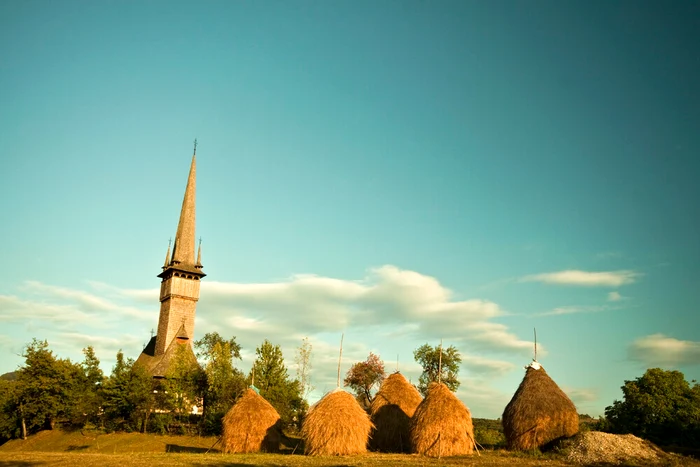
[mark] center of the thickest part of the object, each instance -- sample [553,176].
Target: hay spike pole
[535,331]
[340,357]
[440,363]
[217,442]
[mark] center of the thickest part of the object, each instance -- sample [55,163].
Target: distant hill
[11,376]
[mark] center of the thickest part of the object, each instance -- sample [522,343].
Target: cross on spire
[152,332]
[195,146]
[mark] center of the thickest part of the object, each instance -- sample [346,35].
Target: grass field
[79,449]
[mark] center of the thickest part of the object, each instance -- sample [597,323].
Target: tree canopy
[660,406]
[434,365]
[365,377]
[269,375]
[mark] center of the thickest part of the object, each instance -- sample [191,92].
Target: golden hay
[538,413]
[442,425]
[391,413]
[251,425]
[336,426]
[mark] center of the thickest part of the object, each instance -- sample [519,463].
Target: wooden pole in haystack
[535,330]
[440,363]
[340,357]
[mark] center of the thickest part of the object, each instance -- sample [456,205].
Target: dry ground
[76,449]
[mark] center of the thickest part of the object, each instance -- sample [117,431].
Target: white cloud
[585,278]
[389,311]
[570,310]
[614,297]
[486,367]
[661,350]
[411,303]
[581,396]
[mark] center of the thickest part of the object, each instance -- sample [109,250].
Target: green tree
[364,377]
[128,396]
[45,387]
[270,376]
[87,397]
[434,364]
[10,421]
[660,406]
[224,382]
[185,382]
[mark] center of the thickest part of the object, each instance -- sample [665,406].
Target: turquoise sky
[401,171]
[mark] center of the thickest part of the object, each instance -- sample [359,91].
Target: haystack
[251,425]
[442,425]
[391,413]
[336,425]
[538,413]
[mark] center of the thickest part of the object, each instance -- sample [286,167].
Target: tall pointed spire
[198,264]
[167,258]
[183,248]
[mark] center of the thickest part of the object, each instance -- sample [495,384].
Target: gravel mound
[595,447]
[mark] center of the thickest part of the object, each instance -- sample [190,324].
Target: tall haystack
[336,426]
[391,412]
[251,425]
[442,425]
[539,412]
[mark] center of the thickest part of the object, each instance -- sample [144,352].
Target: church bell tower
[179,290]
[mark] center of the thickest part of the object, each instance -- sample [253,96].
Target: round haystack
[538,413]
[442,425]
[391,412]
[251,425]
[336,425]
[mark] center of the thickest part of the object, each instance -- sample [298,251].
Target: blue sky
[400,171]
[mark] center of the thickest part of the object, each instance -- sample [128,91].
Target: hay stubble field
[76,449]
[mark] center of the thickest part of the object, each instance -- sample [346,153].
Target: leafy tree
[270,376]
[224,382]
[128,396]
[10,421]
[87,399]
[184,382]
[205,345]
[363,377]
[660,406]
[46,387]
[447,366]
[303,362]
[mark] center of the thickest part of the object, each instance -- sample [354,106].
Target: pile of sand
[595,447]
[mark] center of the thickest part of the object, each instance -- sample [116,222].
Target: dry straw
[336,426]
[391,410]
[251,425]
[442,425]
[538,413]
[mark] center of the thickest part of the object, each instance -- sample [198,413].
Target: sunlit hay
[336,426]
[442,425]
[251,425]
[538,413]
[391,412]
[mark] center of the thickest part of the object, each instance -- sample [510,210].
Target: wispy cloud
[388,310]
[661,350]
[585,278]
[570,310]
[614,297]
[387,296]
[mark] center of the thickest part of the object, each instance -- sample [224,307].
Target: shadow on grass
[19,463]
[193,449]
[77,448]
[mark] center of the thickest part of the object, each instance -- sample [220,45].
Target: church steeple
[181,275]
[183,248]
[167,257]
[198,264]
